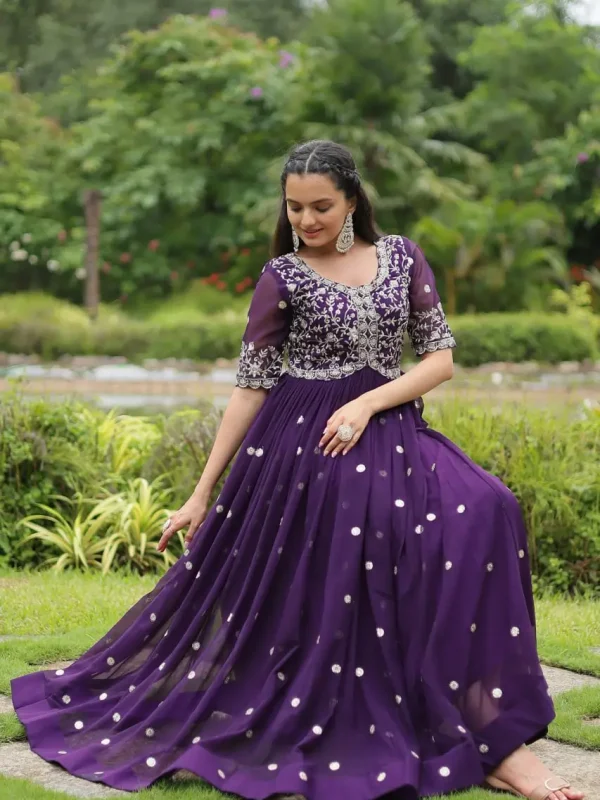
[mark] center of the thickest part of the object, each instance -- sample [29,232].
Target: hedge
[551,462]
[36,324]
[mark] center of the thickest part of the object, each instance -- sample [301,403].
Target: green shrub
[35,323]
[552,463]
[521,337]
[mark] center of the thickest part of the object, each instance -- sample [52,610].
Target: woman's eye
[322,210]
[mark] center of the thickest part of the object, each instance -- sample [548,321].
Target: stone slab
[562,680]
[18,761]
[580,767]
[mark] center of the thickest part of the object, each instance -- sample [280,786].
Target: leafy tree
[32,191]
[50,39]
[191,118]
[536,74]
[495,255]
[368,84]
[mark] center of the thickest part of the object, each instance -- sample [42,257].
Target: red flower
[106,267]
[174,275]
[240,287]
[221,285]
[245,251]
[62,236]
[577,272]
[125,258]
[153,245]
[225,257]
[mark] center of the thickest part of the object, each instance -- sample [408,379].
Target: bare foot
[523,771]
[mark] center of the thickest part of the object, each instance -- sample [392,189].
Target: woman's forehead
[310,188]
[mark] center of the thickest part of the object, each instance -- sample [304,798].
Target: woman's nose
[308,220]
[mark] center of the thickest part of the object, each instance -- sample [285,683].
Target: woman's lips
[312,234]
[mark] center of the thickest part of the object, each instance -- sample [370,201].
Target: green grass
[70,612]
[567,630]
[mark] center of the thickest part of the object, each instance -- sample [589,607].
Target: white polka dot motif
[360,468]
[317,729]
[399,503]
[355,531]
[334,766]
[59,672]
[381,777]
[79,724]
[105,742]
[444,772]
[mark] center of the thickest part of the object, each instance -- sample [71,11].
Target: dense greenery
[182,328]
[476,125]
[94,488]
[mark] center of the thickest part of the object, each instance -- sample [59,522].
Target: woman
[355,614]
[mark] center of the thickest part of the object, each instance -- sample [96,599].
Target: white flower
[27,237]
[53,265]
[15,245]
[19,255]
[80,273]
[33,259]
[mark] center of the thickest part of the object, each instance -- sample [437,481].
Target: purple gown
[340,628]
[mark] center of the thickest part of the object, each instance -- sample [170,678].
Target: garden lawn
[68,613]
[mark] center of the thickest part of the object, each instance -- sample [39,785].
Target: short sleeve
[427,329]
[263,343]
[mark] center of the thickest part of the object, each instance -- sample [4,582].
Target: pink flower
[153,245]
[285,58]
[256,91]
[217,13]
[582,158]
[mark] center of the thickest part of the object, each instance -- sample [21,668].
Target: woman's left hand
[357,414]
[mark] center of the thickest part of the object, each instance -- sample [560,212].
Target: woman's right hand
[192,513]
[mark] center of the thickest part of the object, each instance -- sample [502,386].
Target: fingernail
[333,455]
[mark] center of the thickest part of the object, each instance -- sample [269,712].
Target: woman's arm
[432,370]
[241,410]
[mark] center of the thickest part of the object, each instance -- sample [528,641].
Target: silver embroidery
[336,329]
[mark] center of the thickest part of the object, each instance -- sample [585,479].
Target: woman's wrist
[202,492]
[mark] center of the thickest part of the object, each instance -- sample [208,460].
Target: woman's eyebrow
[314,203]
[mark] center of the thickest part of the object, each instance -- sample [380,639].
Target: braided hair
[323,157]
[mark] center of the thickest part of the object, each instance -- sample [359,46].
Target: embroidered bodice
[309,326]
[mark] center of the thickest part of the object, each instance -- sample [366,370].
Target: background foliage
[476,126]
[106,483]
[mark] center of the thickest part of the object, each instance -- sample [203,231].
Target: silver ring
[166,525]
[345,432]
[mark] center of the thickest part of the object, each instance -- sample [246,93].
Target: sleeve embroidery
[263,344]
[428,329]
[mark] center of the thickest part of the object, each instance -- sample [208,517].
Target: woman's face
[316,208]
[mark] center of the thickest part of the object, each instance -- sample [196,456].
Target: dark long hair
[322,157]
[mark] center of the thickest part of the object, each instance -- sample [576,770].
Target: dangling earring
[296,241]
[346,237]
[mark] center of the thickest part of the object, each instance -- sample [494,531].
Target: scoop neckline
[361,286]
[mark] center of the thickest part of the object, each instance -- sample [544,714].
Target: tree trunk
[92,200]
[450,281]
